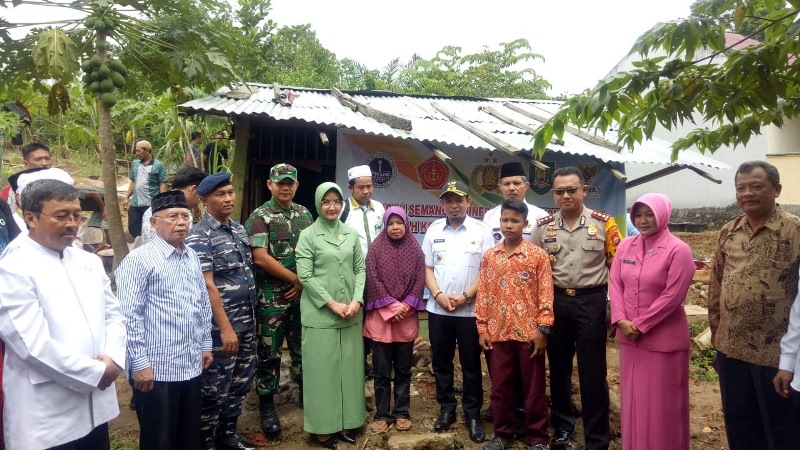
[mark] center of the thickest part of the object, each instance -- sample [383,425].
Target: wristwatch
[545,330]
[467,299]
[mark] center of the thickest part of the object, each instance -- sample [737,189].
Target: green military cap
[282,171]
[455,187]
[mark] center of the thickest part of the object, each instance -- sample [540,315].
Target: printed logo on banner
[384,169]
[433,173]
[485,179]
[589,173]
[542,179]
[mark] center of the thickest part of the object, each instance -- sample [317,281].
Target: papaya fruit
[104,71]
[95,61]
[106,85]
[118,79]
[108,99]
[94,87]
[117,66]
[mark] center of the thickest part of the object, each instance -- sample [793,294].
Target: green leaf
[558,128]
[56,55]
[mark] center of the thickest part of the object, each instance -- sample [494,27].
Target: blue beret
[213,182]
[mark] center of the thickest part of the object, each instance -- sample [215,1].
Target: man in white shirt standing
[513,186]
[364,214]
[787,384]
[62,327]
[453,248]
[163,295]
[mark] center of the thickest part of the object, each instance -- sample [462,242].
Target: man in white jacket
[62,327]
[787,384]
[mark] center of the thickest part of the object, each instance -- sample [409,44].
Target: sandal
[402,424]
[379,426]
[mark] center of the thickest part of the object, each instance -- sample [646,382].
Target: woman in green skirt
[331,269]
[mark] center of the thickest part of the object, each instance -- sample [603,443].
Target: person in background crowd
[513,186]
[164,297]
[581,243]
[514,313]
[754,276]
[186,181]
[193,157]
[62,328]
[34,155]
[395,281]
[224,251]
[13,182]
[453,247]
[8,228]
[274,230]
[365,215]
[214,155]
[148,177]
[649,279]
[331,269]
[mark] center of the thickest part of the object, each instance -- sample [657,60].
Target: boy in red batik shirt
[514,313]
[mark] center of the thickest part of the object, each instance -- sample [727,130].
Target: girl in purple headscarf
[395,279]
[649,279]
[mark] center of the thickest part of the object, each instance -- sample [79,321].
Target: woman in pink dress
[649,279]
[395,279]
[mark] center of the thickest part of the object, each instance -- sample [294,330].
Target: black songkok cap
[169,199]
[512,169]
[12,180]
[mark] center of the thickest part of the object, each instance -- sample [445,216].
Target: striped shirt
[164,298]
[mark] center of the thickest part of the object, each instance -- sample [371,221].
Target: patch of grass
[120,442]
[700,365]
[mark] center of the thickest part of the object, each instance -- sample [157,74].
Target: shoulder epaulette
[601,216]
[545,220]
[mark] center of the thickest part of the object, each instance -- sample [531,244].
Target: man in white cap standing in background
[513,186]
[364,214]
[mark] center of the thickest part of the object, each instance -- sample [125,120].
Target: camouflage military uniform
[277,229]
[225,250]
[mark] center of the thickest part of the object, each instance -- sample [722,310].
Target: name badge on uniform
[438,241]
[592,231]
[628,261]
[550,239]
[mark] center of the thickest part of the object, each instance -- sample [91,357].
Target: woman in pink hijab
[649,279]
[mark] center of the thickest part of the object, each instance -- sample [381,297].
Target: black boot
[270,424]
[207,440]
[227,439]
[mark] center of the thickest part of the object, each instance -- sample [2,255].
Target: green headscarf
[331,226]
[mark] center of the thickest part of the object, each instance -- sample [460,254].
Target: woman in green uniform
[331,269]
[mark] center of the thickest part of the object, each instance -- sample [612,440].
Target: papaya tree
[687,69]
[50,53]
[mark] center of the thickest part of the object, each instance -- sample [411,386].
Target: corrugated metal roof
[318,106]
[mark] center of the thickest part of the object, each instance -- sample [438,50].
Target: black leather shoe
[476,432]
[347,438]
[328,443]
[561,440]
[227,439]
[489,415]
[444,421]
[270,424]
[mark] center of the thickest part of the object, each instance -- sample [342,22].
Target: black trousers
[135,214]
[755,415]
[169,416]
[580,327]
[97,439]
[445,332]
[385,357]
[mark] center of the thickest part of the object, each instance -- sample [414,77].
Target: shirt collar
[213,223]
[165,249]
[355,205]
[271,203]
[773,221]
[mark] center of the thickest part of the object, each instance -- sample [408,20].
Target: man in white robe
[63,330]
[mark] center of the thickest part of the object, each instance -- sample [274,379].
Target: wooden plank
[596,140]
[488,137]
[400,123]
[511,121]
[653,176]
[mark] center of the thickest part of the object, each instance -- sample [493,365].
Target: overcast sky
[581,40]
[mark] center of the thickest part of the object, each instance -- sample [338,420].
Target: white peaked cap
[358,172]
[49,174]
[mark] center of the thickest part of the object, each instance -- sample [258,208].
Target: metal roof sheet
[318,106]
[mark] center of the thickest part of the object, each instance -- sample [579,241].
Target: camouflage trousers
[277,320]
[227,380]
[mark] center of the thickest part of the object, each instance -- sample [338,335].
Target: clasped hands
[629,330]
[450,302]
[345,311]
[402,314]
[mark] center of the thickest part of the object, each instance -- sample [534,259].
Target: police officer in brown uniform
[581,244]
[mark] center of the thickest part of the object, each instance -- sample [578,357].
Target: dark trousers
[755,415]
[580,327]
[97,439]
[135,214]
[385,357]
[445,332]
[511,361]
[169,415]
[227,381]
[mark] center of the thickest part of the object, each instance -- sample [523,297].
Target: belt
[580,292]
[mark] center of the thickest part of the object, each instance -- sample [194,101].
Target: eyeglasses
[332,202]
[174,217]
[65,217]
[570,190]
